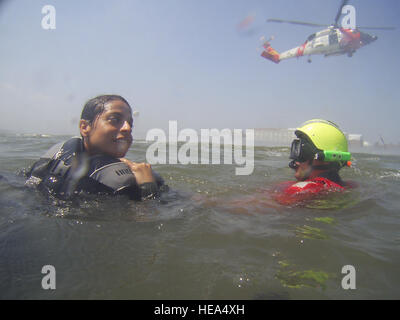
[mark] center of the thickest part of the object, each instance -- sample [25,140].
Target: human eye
[115,119]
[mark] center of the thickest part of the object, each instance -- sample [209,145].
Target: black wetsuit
[66,169]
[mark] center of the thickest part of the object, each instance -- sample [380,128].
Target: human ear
[84,127]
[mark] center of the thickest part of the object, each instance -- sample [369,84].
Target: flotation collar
[292,192]
[314,186]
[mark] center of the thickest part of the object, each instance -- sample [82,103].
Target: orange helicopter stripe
[300,49]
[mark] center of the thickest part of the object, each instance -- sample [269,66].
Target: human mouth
[123,143]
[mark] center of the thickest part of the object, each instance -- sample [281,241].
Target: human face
[111,132]
[303,170]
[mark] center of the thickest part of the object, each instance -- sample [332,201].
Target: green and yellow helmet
[328,143]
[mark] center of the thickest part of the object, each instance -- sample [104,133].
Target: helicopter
[332,41]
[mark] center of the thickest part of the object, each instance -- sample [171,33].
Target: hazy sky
[185,60]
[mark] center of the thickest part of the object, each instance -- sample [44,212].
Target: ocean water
[214,235]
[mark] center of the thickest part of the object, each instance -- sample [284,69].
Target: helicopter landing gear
[309,60]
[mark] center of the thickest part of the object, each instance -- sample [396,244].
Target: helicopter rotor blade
[339,13]
[309,24]
[377,28]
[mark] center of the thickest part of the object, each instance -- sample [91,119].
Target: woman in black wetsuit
[94,162]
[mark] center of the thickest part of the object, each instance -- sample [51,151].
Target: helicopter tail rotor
[269,52]
[266,43]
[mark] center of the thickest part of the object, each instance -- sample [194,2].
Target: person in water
[318,153]
[94,162]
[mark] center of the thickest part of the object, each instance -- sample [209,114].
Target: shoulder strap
[50,161]
[63,149]
[62,159]
[52,151]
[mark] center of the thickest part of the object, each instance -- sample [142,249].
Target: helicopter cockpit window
[311,37]
[333,38]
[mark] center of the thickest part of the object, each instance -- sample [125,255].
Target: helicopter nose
[373,38]
[367,38]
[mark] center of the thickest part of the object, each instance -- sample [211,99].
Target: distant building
[274,137]
[355,140]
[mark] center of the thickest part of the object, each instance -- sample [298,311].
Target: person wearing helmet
[318,153]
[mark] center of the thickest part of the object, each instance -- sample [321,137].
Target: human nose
[126,126]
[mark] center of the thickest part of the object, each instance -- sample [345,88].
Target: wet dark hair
[94,107]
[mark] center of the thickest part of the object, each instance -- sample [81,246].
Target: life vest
[293,192]
[67,169]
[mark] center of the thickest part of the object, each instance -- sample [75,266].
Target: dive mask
[303,150]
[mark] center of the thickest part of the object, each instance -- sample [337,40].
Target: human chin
[121,147]
[297,174]
[302,173]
